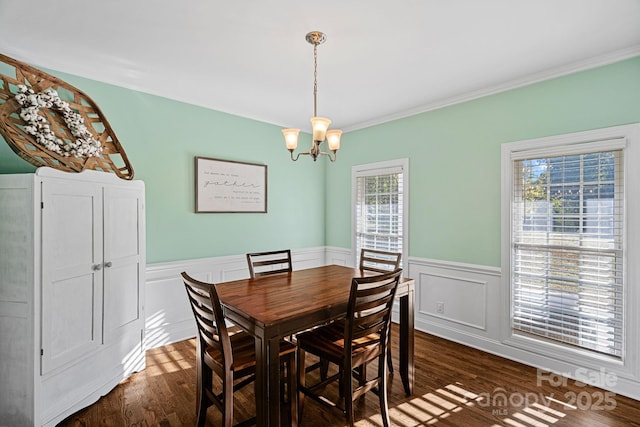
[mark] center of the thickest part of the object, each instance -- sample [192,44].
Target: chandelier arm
[302,153]
[295,159]
[335,155]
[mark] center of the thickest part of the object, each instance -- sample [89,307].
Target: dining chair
[272,262]
[229,356]
[352,343]
[381,262]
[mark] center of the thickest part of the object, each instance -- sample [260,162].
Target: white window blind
[567,248]
[379,211]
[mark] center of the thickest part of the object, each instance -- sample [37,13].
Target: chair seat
[244,351]
[327,342]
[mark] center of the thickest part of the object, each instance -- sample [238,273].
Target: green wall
[454,157]
[161,138]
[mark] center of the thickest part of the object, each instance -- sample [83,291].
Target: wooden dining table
[275,306]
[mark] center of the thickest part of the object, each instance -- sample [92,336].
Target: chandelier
[319,125]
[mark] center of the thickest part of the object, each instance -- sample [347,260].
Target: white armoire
[72,263]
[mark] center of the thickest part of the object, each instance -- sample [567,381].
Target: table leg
[407,364]
[273,400]
[261,385]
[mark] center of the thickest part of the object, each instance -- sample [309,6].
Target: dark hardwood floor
[454,386]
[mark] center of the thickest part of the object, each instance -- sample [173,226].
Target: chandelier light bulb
[333,139]
[291,138]
[319,126]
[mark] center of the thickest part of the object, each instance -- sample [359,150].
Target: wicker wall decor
[12,126]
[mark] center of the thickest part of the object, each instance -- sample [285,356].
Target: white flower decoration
[85,145]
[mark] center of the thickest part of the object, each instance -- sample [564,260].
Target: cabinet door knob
[96,267]
[108,264]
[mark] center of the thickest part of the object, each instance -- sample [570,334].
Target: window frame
[381,168]
[629,363]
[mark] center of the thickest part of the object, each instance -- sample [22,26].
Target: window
[564,198]
[380,207]
[567,249]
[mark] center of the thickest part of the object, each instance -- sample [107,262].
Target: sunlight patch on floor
[165,360]
[432,407]
[450,401]
[537,414]
[540,412]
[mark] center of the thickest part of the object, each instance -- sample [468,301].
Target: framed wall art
[225,186]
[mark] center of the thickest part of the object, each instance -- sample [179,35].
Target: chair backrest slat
[262,263]
[379,261]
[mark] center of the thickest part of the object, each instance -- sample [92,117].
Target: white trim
[554,150]
[457,266]
[611,134]
[382,168]
[106,75]
[630,366]
[549,74]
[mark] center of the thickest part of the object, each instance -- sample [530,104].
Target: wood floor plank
[455,386]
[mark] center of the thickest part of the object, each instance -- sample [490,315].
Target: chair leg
[363,375]
[292,389]
[301,381]
[227,407]
[204,382]
[347,395]
[382,395]
[324,369]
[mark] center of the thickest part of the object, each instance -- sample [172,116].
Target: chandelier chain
[315,79]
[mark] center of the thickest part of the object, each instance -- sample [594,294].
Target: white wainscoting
[473,314]
[169,317]
[454,297]
[471,295]
[441,299]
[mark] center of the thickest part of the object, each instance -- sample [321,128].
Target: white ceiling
[382,60]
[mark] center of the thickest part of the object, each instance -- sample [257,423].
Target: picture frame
[228,186]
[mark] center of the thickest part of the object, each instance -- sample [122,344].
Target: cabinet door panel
[71,280]
[71,332]
[123,222]
[121,304]
[16,228]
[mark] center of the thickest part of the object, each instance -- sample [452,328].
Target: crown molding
[548,74]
